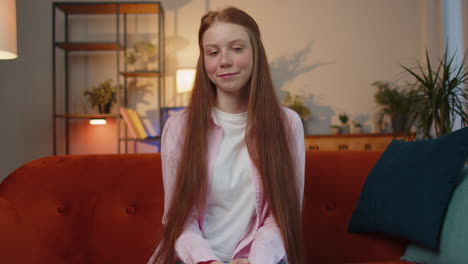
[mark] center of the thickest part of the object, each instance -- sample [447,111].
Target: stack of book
[134,123]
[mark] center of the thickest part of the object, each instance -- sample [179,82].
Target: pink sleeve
[191,247]
[267,247]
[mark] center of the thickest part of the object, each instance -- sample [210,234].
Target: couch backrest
[82,209]
[333,184]
[108,209]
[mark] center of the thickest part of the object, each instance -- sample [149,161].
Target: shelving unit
[105,52]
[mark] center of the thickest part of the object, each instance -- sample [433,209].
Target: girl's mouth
[227,75]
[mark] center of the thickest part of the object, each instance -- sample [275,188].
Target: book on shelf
[128,121]
[140,128]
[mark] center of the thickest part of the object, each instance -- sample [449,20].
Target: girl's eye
[237,49]
[212,53]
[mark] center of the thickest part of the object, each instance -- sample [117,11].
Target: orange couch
[107,209]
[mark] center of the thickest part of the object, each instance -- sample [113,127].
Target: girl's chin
[229,90]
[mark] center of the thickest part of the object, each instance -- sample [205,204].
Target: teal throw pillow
[454,235]
[407,192]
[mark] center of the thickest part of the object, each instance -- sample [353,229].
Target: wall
[326,51]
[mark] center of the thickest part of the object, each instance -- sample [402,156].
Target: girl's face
[228,57]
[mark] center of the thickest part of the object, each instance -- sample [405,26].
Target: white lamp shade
[185,78]
[8,30]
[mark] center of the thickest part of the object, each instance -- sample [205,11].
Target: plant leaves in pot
[102,95]
[440,97]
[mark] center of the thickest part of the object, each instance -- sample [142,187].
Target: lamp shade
[8,48]
[185,78]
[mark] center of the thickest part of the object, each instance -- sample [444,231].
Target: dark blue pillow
[408,190]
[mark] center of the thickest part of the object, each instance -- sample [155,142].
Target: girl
[233,160]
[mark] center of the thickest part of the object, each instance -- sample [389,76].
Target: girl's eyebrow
[230,43]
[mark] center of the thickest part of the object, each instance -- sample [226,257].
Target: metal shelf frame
[119,10]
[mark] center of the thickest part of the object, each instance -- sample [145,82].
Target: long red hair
[267,140]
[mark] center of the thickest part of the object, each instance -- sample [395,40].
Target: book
[138,124]
[130,126]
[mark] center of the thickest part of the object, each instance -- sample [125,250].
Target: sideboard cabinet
[351,141]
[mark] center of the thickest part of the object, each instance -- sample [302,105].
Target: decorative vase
[344,129]
[141,65]
[334,130]
[399,123]
[104,108]
[355,130]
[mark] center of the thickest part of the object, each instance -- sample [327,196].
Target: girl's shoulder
[292,118]
[176,119]
[173,131]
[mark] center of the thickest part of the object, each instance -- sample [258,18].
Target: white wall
[327,51]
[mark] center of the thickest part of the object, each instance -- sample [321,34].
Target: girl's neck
[232,104]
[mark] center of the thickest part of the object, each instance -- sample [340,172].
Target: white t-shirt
[231,195]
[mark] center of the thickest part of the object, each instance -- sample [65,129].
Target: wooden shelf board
[86,115]
[88,46]
[109,8]
[141,74]
[140,8]
[137,139]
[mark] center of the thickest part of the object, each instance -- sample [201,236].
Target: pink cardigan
[262,243]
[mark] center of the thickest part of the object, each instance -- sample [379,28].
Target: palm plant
[439,96]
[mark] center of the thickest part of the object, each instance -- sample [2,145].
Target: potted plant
[395,102]
[334,129]
[297,104]
[356,128]
[102,95]
[439,96]
[140,54]
[343,117]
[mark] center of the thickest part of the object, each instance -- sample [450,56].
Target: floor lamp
[8,48]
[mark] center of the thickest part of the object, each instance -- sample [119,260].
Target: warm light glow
[185,78]
[8,48]
[97,121]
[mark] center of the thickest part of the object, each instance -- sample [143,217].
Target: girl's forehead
[222,33]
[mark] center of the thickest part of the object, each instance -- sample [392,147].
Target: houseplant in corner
[439,96]
[396,103]
[102,95]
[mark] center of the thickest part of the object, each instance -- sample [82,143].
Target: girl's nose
[226,60]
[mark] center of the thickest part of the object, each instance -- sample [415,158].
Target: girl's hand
[215,262]
[240,261]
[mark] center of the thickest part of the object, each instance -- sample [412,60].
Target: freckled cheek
[210,66]
[245,62]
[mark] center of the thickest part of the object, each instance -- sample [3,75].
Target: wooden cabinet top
[364,135]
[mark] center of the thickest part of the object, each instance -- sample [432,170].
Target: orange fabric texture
[333,184]
[108,208]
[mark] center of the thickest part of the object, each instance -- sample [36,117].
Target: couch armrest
[13,247]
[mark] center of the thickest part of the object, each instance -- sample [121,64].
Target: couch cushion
[454,236]
[407,191]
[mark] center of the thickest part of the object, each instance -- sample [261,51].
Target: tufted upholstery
[108,208]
